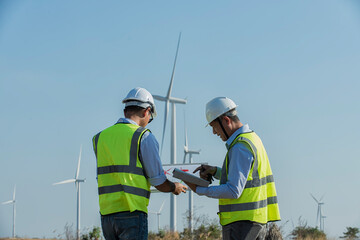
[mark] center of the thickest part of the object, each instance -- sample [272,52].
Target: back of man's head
[132,110]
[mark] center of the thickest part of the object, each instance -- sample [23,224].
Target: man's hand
[191,186]
[174,187]
[206,171]
[179,188]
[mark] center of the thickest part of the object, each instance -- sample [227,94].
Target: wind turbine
[13,201]
[190,152]
[158,214]
[169,99]
[77,182]
[319,216]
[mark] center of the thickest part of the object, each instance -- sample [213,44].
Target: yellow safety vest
[258,201]
[122,182]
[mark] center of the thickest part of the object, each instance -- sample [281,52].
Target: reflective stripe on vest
[124,186]
[256,181]
[258,201]
[128,189]
[248,205]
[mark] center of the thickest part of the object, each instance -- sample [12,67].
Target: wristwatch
[173,187]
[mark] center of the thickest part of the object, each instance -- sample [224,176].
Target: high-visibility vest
[258,201]
[122,181]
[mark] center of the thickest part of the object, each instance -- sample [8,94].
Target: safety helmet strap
[222,127]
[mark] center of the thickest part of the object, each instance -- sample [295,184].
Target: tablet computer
[177,173]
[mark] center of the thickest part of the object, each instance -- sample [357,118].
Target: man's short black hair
[133,109]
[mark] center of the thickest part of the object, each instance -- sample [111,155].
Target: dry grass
[167,236]
[310,238]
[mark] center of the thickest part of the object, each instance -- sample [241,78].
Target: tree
[351,233]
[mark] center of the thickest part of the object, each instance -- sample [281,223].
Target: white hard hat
[140,97]
[217,107]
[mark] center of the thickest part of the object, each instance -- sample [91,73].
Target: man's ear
[226,119]
[143,113]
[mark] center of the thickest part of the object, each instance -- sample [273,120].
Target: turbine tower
[158,214]
[169,99]
[319,216]
[77,182]
[13,201]
[323,222]
[189,152]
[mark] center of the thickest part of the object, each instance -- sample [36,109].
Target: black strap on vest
[95,143]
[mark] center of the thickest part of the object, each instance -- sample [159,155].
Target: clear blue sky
[293,68]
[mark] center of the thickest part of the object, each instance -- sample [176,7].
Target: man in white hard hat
[128,162]
[247,194]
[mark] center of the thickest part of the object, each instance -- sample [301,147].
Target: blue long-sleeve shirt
[149,156]
[238,171]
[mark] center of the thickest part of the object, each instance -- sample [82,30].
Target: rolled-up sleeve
[150,158]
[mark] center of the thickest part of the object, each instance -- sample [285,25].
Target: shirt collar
[126,120]
[244,129]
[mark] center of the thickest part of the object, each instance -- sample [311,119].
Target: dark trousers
[244,230]
[125,226]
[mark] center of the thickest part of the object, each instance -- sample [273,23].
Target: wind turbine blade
[66,181]
[177,100]
[78,167]
[7,202]
[14,193]
[194,152]
[184,156]
[322,197]
[164,128]
[162,205]
[160,98]
[314,198]
[173,71]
